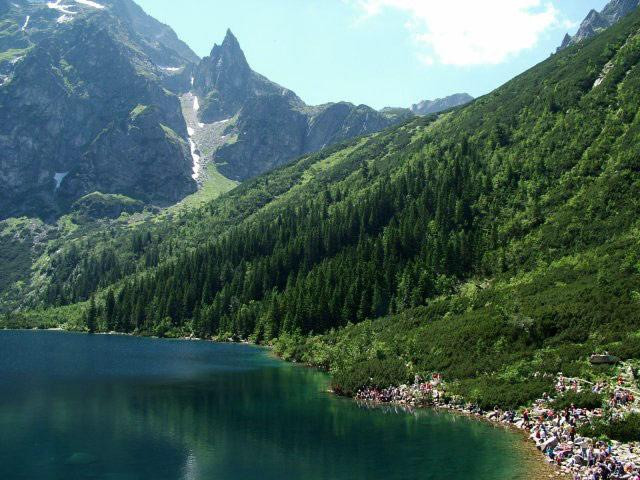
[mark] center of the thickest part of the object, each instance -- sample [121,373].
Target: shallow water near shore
[124,408]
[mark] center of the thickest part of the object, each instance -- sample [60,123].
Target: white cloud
[470,32]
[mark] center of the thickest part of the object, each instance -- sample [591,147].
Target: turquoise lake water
[123,408]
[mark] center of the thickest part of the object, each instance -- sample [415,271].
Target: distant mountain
[596,21]
[85,106]
[265,124]
[427,107]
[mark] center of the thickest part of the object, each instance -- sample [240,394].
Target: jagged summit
[266,123]
[231,41]
[229,49]
[595,21]
[565,41]
[224,80]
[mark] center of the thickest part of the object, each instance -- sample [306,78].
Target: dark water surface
[123,408]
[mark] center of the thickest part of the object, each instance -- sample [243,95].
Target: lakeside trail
[552,433]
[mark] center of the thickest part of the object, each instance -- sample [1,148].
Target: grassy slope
[214,185]
[64,256]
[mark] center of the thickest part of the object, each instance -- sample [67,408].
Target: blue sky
[380,52]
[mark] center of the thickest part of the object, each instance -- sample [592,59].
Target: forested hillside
[497,240]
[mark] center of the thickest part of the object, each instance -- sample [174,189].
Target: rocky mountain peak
[262,124]
[229,49]
[617,9]
[228,60]
[224,81]
[231,43]
[596,21]
[565,41]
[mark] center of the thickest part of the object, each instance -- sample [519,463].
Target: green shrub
[489,392]
[629,348]
[370,373]
[626,429]
[588,400]
[290,347]
[163,328]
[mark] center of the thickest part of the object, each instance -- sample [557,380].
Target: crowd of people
[555,433]
[420,394]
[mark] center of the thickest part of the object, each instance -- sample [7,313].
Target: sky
[380,52]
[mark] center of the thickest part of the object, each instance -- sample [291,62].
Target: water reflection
[169,410]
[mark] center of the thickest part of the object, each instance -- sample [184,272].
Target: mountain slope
[160,42]
[266,125]
[84,107]
[596,21]
[494,241]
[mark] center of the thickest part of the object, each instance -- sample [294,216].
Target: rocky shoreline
[554,433]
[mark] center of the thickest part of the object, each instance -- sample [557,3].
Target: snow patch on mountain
[89,3]
[67,10]
[204,138]
[64,9]
[59,177]
[196,160]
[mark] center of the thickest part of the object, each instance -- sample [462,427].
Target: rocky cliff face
[97,96]
[225,83]
[596,21]
[427,107]
[156,34]
[83,108]
[267,124]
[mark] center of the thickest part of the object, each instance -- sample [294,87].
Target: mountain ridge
[595,21]
[427,107]
[269,124]
[165,68]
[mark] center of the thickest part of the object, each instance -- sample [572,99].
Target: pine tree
[91,316]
